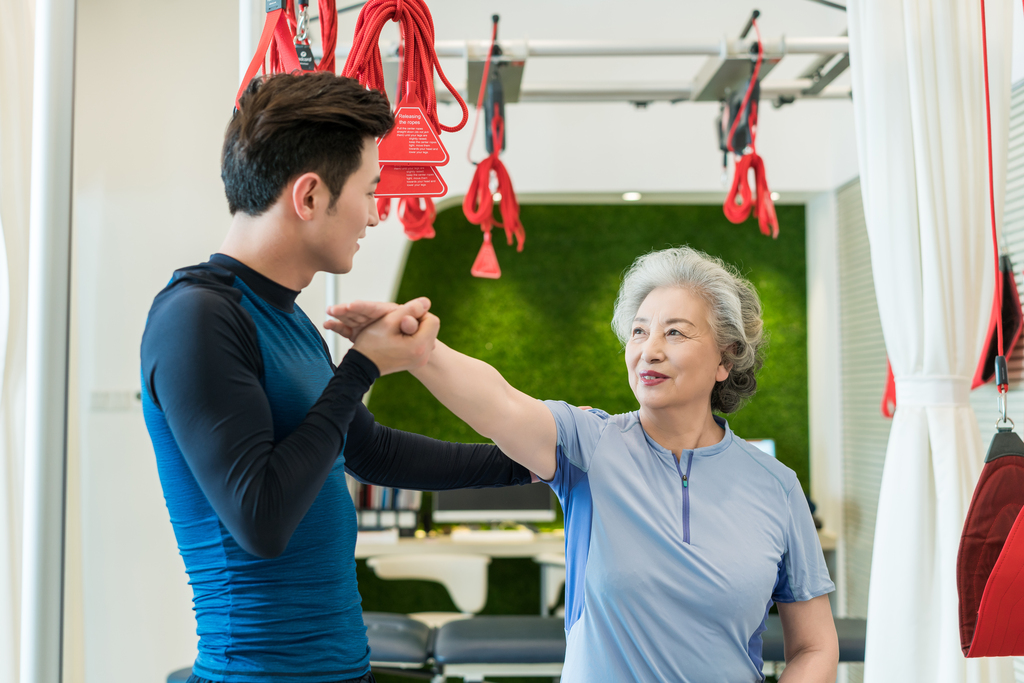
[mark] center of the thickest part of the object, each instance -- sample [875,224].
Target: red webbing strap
[420,62]
[760,201]
[480,93]
[275,29]
[478,204]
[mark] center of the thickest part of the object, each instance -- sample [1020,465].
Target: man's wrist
[362,363]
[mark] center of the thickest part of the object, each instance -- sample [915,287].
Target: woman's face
[672,356]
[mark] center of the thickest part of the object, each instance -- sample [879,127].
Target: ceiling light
[631,196]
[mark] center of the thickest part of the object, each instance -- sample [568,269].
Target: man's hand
[353,318]
[391,349]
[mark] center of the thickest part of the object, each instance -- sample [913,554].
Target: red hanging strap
[420,60]
[1001,379]
[760,201]
[478,204]
[275,29]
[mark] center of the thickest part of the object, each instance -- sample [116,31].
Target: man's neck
[266,244]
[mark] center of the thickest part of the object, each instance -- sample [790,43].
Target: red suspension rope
[992,196]
[479,204]
[760,202]
[420,62]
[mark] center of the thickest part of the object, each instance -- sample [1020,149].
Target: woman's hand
[352,318]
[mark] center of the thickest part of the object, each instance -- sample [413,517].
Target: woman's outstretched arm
[520,425]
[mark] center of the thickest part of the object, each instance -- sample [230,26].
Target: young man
[253,426]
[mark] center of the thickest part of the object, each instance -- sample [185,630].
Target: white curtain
[16,48]
[920,116]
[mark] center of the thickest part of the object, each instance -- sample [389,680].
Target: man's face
[340,227]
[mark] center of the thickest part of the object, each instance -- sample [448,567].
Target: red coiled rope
[479,204]
[760,203]
[420,62]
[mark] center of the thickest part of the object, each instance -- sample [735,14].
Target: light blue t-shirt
[672,566]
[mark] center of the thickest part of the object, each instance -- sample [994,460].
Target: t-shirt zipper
[686,494]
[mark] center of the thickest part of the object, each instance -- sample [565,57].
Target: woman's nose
[651,351]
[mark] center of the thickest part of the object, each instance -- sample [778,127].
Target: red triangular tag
[412,140]
[486,263]
[410,181]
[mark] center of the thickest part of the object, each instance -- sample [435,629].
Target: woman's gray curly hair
[734,313]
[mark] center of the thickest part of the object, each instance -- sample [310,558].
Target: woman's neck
[680,428]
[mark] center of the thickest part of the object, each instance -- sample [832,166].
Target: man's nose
[374,216]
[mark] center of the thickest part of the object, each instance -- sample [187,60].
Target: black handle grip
[1002,376]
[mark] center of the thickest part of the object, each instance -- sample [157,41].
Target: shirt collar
[276,295]
[706,451]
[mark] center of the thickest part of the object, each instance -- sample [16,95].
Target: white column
[824,372]
[47,362]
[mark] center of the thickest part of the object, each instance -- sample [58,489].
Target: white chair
[463,575]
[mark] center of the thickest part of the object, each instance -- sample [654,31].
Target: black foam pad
[396,638]
[501,640]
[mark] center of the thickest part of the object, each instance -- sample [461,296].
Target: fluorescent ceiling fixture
[775,196]
[631,196]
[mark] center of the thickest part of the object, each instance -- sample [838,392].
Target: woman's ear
[723,371]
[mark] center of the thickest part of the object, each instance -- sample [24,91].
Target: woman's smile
[650,378]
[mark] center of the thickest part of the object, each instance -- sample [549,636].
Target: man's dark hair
[288,125]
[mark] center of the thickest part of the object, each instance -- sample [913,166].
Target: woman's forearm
[477,393]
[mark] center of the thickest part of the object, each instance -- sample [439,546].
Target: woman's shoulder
[764,465]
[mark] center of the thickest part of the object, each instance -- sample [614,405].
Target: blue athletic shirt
[249,419]
[672,566]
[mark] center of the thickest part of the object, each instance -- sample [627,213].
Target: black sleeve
[202,367]
[376,454]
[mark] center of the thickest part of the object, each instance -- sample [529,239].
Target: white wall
[154,92]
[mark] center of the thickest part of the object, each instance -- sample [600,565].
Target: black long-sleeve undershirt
[202,367]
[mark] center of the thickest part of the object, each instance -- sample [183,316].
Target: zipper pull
[686,484]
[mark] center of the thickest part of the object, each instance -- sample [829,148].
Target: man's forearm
[376,454]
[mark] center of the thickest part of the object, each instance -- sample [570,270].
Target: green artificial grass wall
[545,323]
[545,326]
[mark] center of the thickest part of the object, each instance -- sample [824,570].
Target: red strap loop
[479,203]
[760,201]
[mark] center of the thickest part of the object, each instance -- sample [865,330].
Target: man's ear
[304,195]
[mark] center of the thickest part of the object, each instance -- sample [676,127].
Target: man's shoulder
[197,299]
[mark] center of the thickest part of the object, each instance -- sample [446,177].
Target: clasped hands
[395,337]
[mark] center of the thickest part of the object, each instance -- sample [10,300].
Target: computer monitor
[530,503]
[766,445]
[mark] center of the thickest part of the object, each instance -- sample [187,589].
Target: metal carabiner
[303,23]
[1001,406]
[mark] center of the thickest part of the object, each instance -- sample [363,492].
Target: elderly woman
[679,535]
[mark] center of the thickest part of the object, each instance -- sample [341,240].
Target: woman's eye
[637,330]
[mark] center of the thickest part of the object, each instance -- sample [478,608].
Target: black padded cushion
[850,632]
[396,638]
[501,640]
[179,676]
